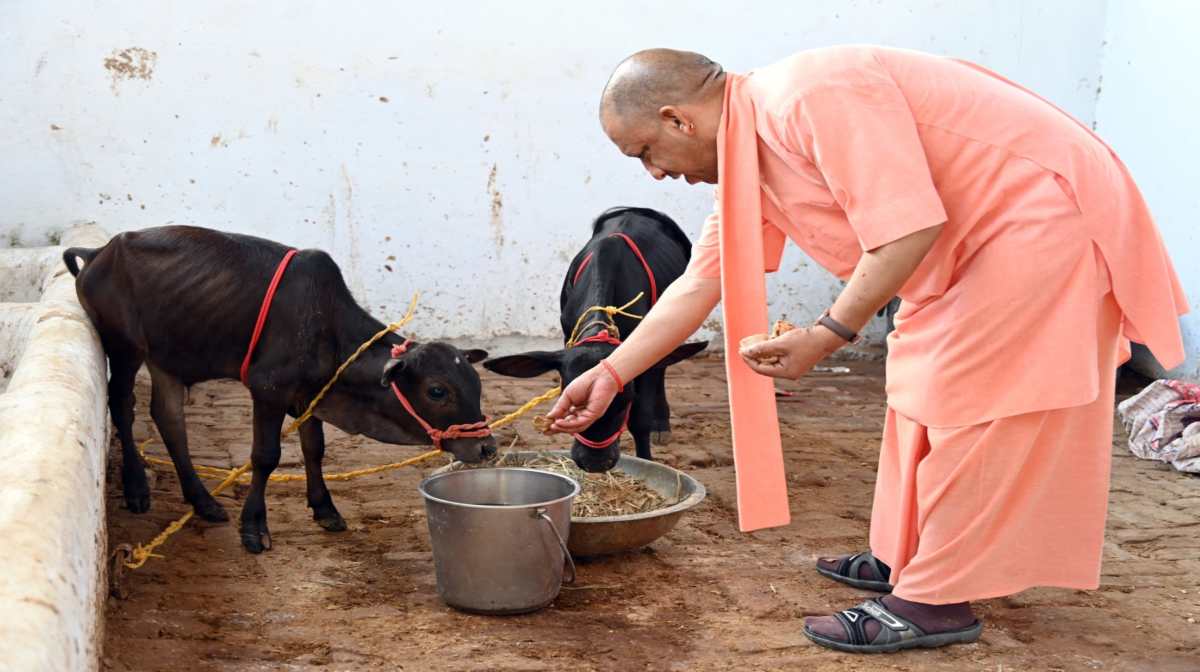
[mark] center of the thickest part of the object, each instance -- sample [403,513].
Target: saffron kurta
[1048,262]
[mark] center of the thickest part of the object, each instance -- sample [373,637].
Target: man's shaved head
[663,107]
[650,79]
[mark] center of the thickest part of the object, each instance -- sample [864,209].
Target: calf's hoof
[661,438]
[137,502]
[329,519]
[256,539]
[334,523]
[326,514]
[135,489]
[209,510]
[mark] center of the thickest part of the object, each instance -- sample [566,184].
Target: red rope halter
[467,430]
[601,445]
[472,430]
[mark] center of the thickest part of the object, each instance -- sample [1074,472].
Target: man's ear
[677,119]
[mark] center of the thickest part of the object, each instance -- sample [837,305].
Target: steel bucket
[498,537]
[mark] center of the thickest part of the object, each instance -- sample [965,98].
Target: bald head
[663,107]
[651,79]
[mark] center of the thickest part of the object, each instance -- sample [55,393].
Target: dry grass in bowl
[613,493]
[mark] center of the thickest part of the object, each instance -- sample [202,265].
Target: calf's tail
[72,254]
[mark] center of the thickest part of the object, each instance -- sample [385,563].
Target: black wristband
[846,333]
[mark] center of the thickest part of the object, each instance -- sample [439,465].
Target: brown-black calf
[631,251]
[184,301]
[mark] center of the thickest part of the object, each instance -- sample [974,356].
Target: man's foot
[888,623]
[861,570]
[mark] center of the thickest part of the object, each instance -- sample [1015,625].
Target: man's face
[667,146]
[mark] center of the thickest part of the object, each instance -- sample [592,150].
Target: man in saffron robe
[1026,261]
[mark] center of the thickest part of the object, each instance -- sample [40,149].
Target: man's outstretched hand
[583,401]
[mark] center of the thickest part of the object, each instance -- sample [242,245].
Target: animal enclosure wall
[448,147]
[53,440]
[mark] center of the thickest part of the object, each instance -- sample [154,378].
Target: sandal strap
[852,621]
[892,629]
[850,565]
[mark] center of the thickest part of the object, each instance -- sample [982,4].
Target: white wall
[53,434]
[1147,110]
[481,172]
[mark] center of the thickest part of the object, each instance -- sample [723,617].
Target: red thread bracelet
[613,372]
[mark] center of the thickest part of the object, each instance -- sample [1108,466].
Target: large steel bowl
[604,535]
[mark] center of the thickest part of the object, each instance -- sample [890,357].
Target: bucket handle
[541,513]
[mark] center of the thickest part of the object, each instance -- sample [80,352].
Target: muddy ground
[705,597]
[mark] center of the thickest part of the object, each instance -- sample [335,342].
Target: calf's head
[570,364]
[436,379]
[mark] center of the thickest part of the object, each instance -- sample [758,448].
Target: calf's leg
[124,362]
[656,388]
[641,421]
[264,457]
[312,443]
[166,407]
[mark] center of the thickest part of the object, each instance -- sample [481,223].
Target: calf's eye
[437,392]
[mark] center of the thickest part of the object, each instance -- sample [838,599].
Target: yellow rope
[525,408]
[217,472]
[144,552]
[312,406]
[610,311]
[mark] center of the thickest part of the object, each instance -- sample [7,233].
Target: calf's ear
[475,355]
[681,353]
[389,367]
[527,364]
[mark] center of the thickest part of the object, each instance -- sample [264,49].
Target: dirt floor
[705,597]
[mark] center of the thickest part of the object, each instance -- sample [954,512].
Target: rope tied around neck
[470,430]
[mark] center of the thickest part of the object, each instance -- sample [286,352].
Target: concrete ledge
[53,436]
